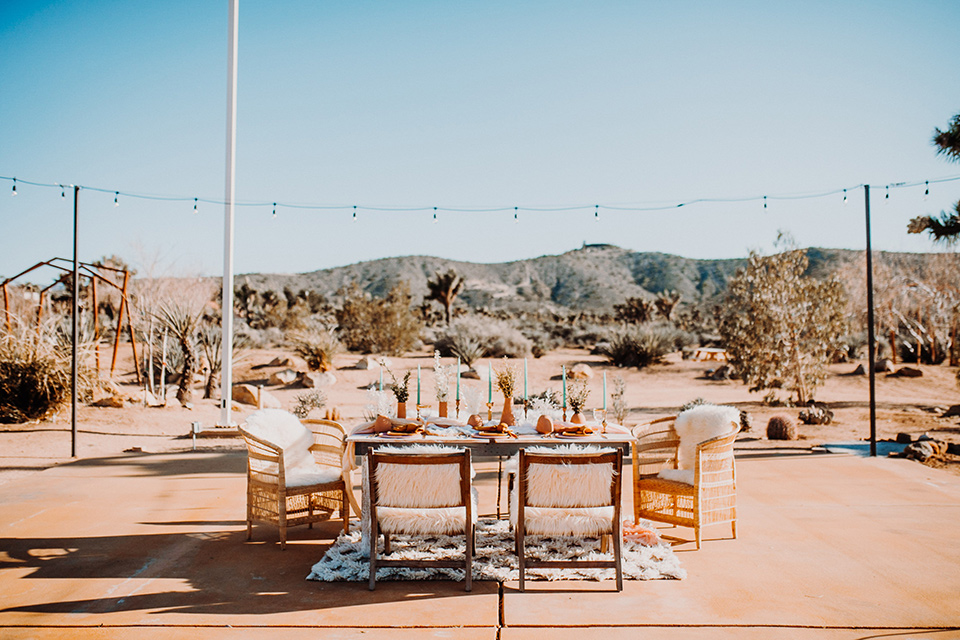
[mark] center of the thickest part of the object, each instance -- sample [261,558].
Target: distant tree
[635,310]
[378,325]
[444,288]
[666,302]
[182,318]
[781,328]
[946,226]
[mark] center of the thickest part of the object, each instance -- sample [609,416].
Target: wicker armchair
[276,495]
[704,497]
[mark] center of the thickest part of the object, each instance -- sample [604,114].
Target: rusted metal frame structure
[91,271]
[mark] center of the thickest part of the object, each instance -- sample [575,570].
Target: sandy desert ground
[910,405]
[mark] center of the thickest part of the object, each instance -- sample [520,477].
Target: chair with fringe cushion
[420,491]
[689,479]
[567,491]
[294,472]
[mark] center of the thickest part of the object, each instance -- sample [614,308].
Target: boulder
[884,365]
[859,371]
[283,377]
[581,371]
[281,361]
[907,372]
[316,379]
[115,402]
[247,394]
[952,412]
[470,374]
[721,373]
[368,362]
[904,438]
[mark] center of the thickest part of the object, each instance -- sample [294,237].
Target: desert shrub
[816,413]
[317,345]
[781,427]
[497,338]
[307,402]
[639,346]
[541,342]
[696,402]
[378,325]
[35,374]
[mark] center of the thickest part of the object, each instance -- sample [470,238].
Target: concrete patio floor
[154,546]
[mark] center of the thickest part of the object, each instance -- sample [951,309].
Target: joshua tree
[946,226]
[666,302]
[634,310]
[444,288]
[182,320]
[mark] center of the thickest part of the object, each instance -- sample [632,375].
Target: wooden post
[6,305]
[96,323]
[893,346]
[133,345]
[40,313]
[116,338]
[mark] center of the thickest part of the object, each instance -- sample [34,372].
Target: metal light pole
[226,369]
[870,333]
[75,330]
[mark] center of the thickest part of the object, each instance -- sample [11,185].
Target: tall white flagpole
[226,371]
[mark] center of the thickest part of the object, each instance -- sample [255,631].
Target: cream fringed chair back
[420,490]
[568,491]
[684,472]
[293,472]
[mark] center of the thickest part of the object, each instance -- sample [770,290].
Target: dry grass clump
[35,374]
[473,337]
[640,346]
[781,427]
[317,346]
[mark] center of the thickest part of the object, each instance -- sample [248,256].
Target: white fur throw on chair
[284,431]
[696,425]
[566,499]
[400,510]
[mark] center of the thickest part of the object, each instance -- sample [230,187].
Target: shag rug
[494,558]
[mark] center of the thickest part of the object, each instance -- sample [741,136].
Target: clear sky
[483,104]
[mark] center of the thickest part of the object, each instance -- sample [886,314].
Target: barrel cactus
[781,427]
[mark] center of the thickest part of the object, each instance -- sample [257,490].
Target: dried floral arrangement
[441,375]
[401,389]
[506,374]
[577,395]
[618,399]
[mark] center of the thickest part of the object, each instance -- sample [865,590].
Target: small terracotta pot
[578,418]
[443,408]
[401,409]
[506,416]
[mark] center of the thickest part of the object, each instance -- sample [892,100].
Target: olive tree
[780,327]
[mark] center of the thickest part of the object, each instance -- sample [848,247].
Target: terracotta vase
[443,408]
[402,410]
[577,418]
[506,416]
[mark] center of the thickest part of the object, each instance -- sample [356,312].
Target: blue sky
[469,105]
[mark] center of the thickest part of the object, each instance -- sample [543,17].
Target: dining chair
[690,479]
[294,472]
[568,491]
[420,491]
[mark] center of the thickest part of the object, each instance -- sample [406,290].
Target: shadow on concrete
[203,461]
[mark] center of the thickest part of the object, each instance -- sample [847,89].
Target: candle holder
[489,411]
[564,413]
[457,414]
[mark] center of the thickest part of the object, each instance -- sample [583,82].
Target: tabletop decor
[441,376]
[401,390]
[579,392]
[507,383]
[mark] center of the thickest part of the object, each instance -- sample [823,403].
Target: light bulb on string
[14,192]
[844,196]
[887,197]
[354,213]
[596,212]
[434,215]
[764,202]
[926,190]
[274,209]
[194,205]
[63,194]
[516,220]
[116,195]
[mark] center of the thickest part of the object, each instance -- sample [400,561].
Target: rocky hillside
[592,277]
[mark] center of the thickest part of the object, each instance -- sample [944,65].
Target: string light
[354,213]
[116,195]
[516,220]
[596,212]
[926,190]
[274,209]
[63,194]
[844,196]
[434,215]
[14,192]
[887,197]
[764,202]
[194,205]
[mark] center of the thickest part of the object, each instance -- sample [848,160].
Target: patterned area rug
[494,558]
